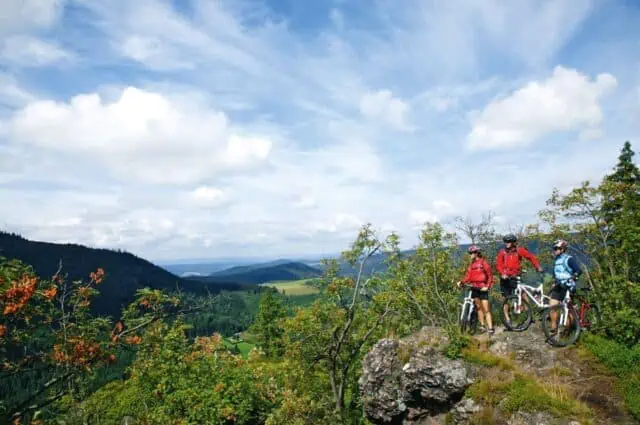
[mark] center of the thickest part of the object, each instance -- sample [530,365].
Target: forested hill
[262,273]
[125,272]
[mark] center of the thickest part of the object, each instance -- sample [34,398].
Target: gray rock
[463,411]
[526,418]
[427,385]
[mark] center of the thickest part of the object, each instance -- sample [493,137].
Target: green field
[243,347]
[293,287]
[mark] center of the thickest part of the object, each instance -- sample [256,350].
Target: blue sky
[208,128]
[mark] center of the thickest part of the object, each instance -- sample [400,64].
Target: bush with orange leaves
[174,381]
[46,326]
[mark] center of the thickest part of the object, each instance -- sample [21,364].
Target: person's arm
[499,263]
[575,266]
[531,257]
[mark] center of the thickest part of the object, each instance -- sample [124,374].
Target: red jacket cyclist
[480,276]
[508,263]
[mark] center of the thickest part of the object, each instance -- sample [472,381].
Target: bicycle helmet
[510,238]
[473,249]
[560,243]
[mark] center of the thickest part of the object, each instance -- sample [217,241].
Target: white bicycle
[566,327]
[468,315]
[519,314]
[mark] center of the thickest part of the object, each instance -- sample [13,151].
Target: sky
[184,129]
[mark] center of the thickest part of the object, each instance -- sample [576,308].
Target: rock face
[407,388]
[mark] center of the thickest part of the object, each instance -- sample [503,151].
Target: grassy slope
[293,288]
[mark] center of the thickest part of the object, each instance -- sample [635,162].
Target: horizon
[192,129]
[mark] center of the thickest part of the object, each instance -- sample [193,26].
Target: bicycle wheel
[519,318]
[468,320]
[464,317]
[564,334]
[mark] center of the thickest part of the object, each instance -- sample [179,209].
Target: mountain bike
[468,318]
[588,312]
[567,317]
[518,305]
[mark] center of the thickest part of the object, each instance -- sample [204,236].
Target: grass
[521,392]
[474,355]
[486,416]
[504,385]
[294,287]
[623,362]
[243,347]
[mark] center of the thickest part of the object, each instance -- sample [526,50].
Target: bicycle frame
[530,291]
[585,306]
[467,300]
[564,316]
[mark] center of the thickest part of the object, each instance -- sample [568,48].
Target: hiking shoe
[491,331]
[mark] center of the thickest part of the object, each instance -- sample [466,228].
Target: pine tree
[266,326]
[621,210]
[626,170]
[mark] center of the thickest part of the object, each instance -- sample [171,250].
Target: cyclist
[565,272]
[509,267]
[480,276]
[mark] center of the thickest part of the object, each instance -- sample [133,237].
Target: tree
[621,209]
[423,283]
[602,224]
[267,327]
[47,332]
[332,335]
[479,233]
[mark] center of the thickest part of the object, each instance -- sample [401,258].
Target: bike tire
[547,330]
[464,322]
[511,300]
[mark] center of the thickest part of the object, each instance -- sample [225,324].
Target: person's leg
[555,297]
[504,287]
[486,309]
[476,301]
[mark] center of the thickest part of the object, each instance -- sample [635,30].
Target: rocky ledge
[517,379]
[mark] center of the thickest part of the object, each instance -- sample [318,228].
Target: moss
[448,419]
[484,358]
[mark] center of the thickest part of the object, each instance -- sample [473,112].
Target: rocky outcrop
[405,387]
[411,382]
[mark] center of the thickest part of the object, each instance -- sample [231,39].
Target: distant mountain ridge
[263,272]
[125,272]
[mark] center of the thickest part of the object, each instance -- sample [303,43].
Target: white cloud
[442,206]
[568,100]
[382,105]
[142,135]
[153,52]
[341,222]
[262,130]
[22,15]
[11,93]
[305,201]
[208,196]
[27,51]
[532,30]
[420,217]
